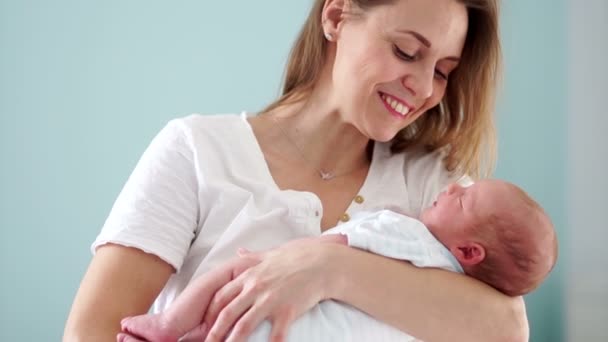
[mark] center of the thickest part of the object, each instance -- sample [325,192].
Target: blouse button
[316,213]
[345,217]
[359,199]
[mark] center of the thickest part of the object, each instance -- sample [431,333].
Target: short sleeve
[157,209]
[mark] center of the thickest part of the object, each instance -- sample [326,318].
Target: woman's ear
[332,17]
[469,253]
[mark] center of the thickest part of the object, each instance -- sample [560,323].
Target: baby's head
[497,232]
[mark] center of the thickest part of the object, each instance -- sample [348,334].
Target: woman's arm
[119,282]
[431,304]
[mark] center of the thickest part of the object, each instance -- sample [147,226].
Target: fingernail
[243,251]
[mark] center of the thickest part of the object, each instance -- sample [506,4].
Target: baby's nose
[452,188]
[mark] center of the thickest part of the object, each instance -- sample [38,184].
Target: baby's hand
[148,328]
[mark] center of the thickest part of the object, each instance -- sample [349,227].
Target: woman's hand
[287,282]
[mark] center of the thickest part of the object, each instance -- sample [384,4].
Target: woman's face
[393,63]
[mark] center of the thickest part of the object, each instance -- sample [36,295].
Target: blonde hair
[462,123]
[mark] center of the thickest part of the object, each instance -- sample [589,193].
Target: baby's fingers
[122,337]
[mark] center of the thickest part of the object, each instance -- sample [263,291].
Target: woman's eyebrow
[425,42]
[417,35]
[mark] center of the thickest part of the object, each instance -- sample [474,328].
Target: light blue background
[85,85]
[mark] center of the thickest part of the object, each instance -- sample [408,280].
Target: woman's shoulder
[218,140]
[197,122]
[212,129]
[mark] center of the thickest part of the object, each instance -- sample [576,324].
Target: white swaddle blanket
[385,233]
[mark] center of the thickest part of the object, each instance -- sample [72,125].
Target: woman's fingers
[243,264]
[265,290]
[197,334]
[280,326]
[229,316]
[334,238]
[220,300]
[247,324]
[245,253]
[229,291]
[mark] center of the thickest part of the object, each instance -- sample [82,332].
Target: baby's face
[456,212]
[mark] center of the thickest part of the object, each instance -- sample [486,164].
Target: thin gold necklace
[325,175]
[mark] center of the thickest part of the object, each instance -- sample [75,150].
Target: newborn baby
[492,231]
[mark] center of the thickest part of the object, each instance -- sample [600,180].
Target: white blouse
[202,189]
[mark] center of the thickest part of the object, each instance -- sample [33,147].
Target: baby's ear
[469,253]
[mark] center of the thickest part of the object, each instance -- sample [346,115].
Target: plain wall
[587,276]
[532,123]
[85,85]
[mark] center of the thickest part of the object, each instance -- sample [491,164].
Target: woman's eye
[441,75]
[410,58]
[402,55]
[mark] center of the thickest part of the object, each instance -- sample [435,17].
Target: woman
[385,103]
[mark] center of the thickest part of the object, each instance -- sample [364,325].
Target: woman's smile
[395,106]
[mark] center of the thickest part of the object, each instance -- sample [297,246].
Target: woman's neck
[321,134]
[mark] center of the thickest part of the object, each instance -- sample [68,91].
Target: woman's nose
[420,82]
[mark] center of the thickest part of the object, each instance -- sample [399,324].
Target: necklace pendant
[326,175]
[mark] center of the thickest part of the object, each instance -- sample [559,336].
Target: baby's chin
[424,215]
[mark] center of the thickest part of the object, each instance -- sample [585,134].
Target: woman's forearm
[430,304]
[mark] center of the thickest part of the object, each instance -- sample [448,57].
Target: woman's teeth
[396,105]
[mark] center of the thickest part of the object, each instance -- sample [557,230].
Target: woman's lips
[395,105]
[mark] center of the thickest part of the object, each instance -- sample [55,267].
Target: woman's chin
[384,135]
